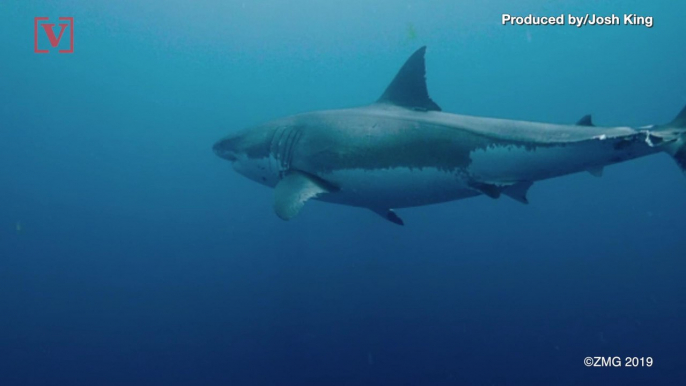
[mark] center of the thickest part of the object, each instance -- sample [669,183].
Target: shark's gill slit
[276,149]
[270,151]
[285,148]
[292,147]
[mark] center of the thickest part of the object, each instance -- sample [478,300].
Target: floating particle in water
[411,33]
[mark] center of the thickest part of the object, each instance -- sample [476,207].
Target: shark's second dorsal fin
[408,88]
[585,121]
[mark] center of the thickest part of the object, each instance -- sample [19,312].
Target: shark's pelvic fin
[390,215]
[408,88]
[491,190]
[291,193]
[596,171]
[585,121]
[518,191]
[515,190]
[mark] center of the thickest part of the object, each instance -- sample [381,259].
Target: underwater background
[131,255]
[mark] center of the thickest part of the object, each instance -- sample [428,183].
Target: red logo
[53,37]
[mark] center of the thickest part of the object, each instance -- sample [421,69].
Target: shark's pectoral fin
[518,191]
[390,215]
[291,193]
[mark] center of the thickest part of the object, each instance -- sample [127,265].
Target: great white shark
[403,151]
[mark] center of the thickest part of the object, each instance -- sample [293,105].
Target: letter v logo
[50,33]
[54,41]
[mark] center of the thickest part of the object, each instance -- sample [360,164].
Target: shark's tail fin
[678,151]
[678,147]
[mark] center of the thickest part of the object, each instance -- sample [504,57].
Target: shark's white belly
[516,163]
[395,187]
[502,164]
[499,165]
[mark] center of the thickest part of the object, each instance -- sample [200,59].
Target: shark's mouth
[220,150]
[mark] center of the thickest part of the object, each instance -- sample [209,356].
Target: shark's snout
[225,148]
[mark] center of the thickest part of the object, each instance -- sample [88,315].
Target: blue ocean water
[131,255]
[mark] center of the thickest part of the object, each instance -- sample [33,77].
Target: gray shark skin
[402,151]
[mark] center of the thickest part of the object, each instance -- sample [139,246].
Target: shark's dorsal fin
[585,121]
[408,88]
